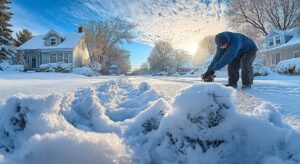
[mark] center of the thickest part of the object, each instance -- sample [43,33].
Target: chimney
[80,29]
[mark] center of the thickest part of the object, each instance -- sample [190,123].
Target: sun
[191,48]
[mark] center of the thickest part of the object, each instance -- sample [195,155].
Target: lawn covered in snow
[66,118]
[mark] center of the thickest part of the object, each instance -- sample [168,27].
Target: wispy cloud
[183,22]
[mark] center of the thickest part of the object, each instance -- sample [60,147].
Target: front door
[33,62]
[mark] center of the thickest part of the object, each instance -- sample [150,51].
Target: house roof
[292,42]
[70,41]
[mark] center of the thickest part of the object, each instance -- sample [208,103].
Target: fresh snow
[38,43]
[67,118]
[286,65]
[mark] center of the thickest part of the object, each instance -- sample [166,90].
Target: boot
[246,87]
[231,85]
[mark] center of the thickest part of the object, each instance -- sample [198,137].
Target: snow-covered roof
[70,41]
[294,32]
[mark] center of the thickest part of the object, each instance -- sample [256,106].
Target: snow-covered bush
[4,66]
[95,66]
[290,66]
[259,69]
[86,71]
[56,67]
[7,67]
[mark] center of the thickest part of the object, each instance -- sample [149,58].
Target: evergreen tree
[5,31]
[5,16]
[23,36]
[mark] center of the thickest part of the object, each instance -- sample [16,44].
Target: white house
[281,45]
[54,47]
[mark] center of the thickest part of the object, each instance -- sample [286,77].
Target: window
[66,57]
[275,59]
[52,41]
[297,54]
[52,58]
[271,42]
[277,40]
[60,57]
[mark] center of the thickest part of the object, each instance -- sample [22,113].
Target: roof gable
[275,32]
[52,32]
[71,40]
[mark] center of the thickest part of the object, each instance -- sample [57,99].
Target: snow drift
[118,122]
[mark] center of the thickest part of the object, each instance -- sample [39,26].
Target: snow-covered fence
[56,67]
[290,66]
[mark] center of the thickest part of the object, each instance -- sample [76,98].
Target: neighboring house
[281,45]
[54,47]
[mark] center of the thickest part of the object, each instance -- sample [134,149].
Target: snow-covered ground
[68,118]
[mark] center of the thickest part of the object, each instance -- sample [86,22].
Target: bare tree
[166,58]
[248,11]
[181,57]
[265,14]
[161,57]
[104,37]
[118,60]
[282,14]
[251,32]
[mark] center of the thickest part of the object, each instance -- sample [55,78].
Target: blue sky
[41,15]
[182,22]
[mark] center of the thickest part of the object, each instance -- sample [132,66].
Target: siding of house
[80,54]
[273,36]
[52,35]
[285,53]
[45,57]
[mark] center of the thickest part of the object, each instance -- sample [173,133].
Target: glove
[208,74]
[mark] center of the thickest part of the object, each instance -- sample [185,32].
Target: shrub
[290,66]
[56,67]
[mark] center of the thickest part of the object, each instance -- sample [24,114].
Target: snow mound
[289,66]
[84,111]
[259,69]
[118,122]
[21,118]
[39,130]
[203,127]
[124,101]
[74,147]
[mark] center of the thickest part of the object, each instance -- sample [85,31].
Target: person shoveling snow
[237,51]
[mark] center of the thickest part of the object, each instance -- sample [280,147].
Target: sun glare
[191,48]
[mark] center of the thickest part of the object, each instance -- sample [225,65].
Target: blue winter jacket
[238,46]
